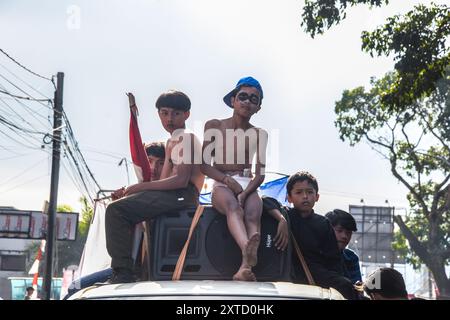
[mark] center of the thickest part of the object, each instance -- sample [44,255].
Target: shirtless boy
[230,145]
[177,188]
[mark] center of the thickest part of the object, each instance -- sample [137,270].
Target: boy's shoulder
[313,217]
[178,134]
[320,220]
[349,254]
[319,217]
[261,131]
[214,123]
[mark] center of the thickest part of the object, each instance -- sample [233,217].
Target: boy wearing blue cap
[229,147]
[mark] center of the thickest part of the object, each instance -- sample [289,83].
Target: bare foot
[251,250]
[244,274]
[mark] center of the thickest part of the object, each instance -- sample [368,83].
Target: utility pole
[51,238]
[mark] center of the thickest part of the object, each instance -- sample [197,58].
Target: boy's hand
[135,188]
[119,193]
[131,100]
[241,199]
[233,185]
[282,237]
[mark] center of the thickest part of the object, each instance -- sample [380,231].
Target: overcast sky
[202,48]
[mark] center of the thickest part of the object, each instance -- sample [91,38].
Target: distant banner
[33,224]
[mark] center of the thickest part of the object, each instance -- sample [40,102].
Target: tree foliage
[69,252]
[416,40]
[321,15]
[415,140]
[405,117]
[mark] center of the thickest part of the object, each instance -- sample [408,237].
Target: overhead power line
[13,125]
[24,131]
[23,81]
[23,98]
[22,66]
[75,144]
[31,98]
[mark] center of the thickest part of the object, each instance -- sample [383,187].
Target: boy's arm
[178,181]
[168,165]
[351,262]
[272,207]
[208,151]
[270,203]
[282,237]
[260,166]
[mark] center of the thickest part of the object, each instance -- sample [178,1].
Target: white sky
[202,48]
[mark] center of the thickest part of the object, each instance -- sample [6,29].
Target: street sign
[27,224]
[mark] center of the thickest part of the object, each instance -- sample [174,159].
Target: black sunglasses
[253,98]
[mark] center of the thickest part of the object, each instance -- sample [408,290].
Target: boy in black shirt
[314,235]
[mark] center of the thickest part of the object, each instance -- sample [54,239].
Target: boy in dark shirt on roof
[344,225]
[314,235]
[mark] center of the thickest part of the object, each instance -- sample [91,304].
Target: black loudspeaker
[212,254]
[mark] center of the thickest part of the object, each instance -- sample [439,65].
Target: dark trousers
[122,215]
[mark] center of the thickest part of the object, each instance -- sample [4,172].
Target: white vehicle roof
[206,290]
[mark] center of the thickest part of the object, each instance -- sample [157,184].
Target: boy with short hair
[177,189]
[231,145]
[156,152]
[344,225]
[314,235]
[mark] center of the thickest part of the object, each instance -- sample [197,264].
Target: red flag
[138,154]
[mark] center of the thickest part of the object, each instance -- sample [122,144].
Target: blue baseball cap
[248,82]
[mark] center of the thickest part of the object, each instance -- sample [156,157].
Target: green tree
[405,116]
[323,14]
[69,252]
[416,143]
[417,41]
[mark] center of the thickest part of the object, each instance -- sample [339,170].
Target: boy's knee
[111,207]
[109,210]
[112,210]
